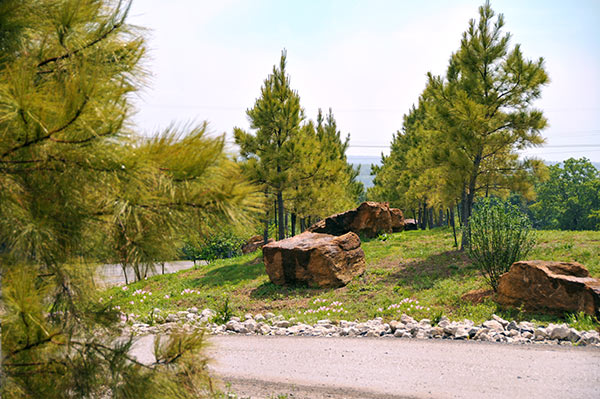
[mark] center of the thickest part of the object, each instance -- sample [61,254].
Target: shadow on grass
[423,274]
[231,274]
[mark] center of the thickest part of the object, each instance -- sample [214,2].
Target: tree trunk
[275,213]
[293,217]
[464,220]
[451,221]
[124,268]
[425,217]
[468,204]
[266,231]
[286,225]
[280,211]
[302,225]
[431,224]
[162,264]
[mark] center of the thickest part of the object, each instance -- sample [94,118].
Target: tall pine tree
[483,112]
[276,118]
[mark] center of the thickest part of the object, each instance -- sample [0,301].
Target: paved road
[314,367]
[113,274]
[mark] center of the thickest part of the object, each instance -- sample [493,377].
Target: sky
[367,60]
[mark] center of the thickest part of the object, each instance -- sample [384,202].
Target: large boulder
[555,286]
[253,244]
[320,260]
[369,219]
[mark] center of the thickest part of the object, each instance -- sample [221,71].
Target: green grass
[415,272]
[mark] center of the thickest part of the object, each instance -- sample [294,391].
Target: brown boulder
[319,260]
[410,224]
[253,244]
[397,220]
[555,286]
[369,219]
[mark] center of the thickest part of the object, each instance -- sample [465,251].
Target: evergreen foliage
[75,183]
[276,118]
[461,141]
[301,163]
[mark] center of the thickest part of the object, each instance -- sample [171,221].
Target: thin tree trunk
[431,218]
[275,213]
[293,217]
[266,231]
[302,225]
[464,219]
[468,205]
[451,220]
[124,268]
[286,225]
[162,264]
[280,211]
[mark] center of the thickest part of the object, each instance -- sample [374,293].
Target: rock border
[494,330]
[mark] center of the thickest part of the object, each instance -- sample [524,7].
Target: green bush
[500,234]
[223,245]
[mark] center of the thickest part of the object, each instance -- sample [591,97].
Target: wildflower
[125,288]
[131,302]
[167,296]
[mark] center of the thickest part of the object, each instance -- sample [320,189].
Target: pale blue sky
[365,59]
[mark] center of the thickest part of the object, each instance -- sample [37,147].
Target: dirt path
[307,367]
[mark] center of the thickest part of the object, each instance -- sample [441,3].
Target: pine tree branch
[49,135]
[32,345]
[86,46]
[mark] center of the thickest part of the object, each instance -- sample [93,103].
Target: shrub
[500,234]
[222,245]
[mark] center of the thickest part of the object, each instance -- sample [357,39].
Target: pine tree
[483,111]
[276,118]
[72,174]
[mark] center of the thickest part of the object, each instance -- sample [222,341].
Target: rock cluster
[369,219]
[557,286]
[494,330]
[319,260]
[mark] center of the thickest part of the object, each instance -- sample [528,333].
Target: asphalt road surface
[109,275]
[312,367]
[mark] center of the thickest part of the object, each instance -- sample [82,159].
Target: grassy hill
[416,272]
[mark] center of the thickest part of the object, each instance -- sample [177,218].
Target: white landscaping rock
[559,332]
[493,325]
